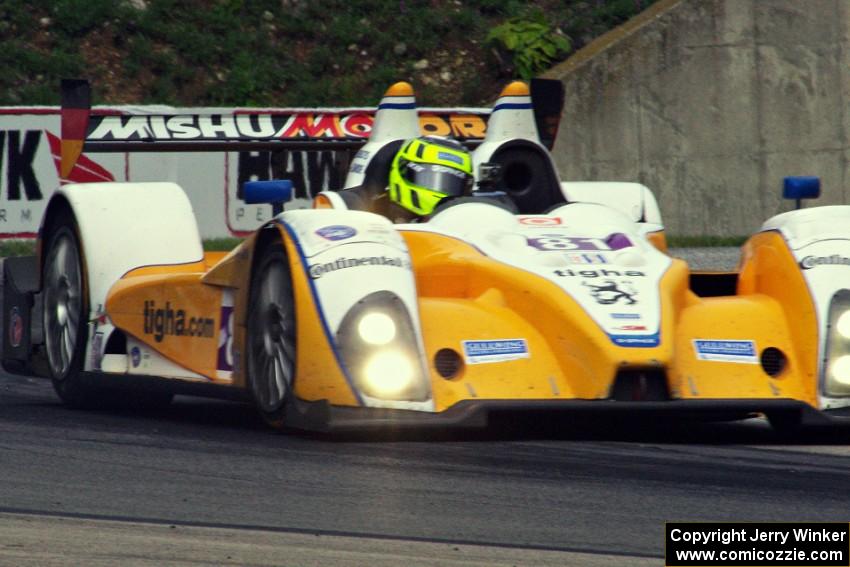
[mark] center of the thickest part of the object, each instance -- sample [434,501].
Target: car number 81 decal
[560,243]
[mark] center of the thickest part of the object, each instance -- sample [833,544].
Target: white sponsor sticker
[499,350]
[726,351]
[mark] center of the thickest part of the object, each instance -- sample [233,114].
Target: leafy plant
[531,43]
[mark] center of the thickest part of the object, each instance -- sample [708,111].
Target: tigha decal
[598,273]
[173,321]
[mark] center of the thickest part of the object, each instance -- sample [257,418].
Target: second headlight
[380,349]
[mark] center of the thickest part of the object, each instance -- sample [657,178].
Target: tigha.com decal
[168,320]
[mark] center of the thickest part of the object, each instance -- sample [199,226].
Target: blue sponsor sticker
[586,259]
[726,351]
[136,356]
[636,341]
[450,157]
[625,315]
[336,232]
[500,350]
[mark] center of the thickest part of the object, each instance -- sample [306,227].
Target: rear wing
[237,131]
[252,130]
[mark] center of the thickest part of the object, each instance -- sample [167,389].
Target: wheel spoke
[275,385]
[288,347]
[66,348]
[282,376]
[285,367]
[61,255]
[73,317]
[64,304]
[268,369]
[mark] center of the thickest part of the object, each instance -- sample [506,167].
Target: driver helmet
[427,170]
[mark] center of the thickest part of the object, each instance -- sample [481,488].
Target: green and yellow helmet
[426,170]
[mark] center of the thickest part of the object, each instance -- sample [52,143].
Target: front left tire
[65,311]
[271,335]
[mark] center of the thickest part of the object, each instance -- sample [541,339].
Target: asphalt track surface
[604,490]
[205,482]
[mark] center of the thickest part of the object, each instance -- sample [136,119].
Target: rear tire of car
[271,335]
[65,311]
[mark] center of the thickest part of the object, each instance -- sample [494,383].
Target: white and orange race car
[330,318]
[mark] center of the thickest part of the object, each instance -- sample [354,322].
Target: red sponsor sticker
[632,328]
[540,221]
[16,328]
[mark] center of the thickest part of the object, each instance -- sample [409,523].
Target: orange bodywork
[465,295]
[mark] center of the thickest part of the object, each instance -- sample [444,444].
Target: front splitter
[478,414]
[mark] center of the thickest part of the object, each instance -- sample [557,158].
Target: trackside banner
[29,156]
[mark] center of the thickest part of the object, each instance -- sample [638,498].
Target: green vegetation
[221,244]
[27,247]
[288,52]
[704,241]
[532,44]
[17,248]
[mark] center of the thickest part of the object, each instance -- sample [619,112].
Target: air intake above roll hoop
[513,115]
[396,117]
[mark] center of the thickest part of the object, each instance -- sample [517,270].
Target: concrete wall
[711,103]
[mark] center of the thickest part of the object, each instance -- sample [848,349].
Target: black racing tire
[65,318]
[65,311]
[270,340]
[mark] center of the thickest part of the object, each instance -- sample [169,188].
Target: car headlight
[837,373]
[378,328]
[379,347]
[389,373]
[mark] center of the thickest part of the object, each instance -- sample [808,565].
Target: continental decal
[810,262]
[271,126]
[319,270]
[168,320]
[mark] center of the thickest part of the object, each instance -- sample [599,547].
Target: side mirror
[275,192]
[801,187]
[489,175]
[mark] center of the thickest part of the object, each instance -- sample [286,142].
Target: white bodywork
[360,235]
[512,118]
[395,119]
[819,232]
[123,226]
[634,200]
[583,248]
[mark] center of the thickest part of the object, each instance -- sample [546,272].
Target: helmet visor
[439,178]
